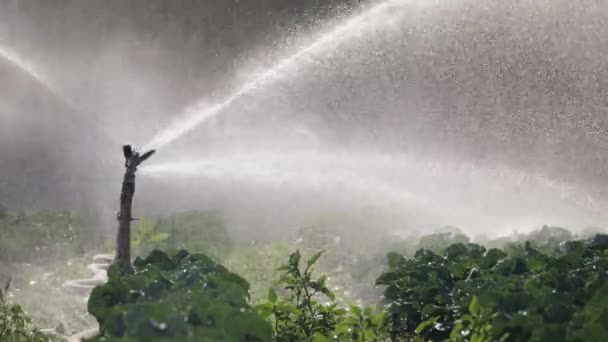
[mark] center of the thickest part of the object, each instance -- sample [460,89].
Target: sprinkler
[123,241]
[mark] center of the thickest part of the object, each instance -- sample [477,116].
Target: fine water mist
[429,189]
[36,74]
[491,199]
[24,65]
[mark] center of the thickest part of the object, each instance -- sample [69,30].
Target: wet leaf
[272,295]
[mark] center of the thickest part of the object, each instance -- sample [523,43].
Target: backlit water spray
[478,198]
[24,65]
[381,14]
[28,67]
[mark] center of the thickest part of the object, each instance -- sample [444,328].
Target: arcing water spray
[380,14]
[28,67]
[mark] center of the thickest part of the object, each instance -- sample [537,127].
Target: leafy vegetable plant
[301,315]
[183,297]
[468,293]
[308,311]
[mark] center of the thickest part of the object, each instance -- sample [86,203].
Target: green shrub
[301,315]
[14,323]
[258,264]
[469,293]
[182,297]
[199,232]
[361,325]
[41,235]
[308,311]
[439,241]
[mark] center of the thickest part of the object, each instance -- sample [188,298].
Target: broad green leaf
[378,319]
[355,310]
[426,324]
[394,260]
[459,271]
[265,311]
[430,310]
[272,295]
[294,259]
[343,327]
[292,309]
[263,306]
[340,312]
[7,285]
[328,293]
[321,338]
[474,306]
[313,259]
[159,237]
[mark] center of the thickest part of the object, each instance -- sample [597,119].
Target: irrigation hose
[99,267]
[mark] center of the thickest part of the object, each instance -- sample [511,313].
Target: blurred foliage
[185,297]
[38,288]
[15,324]
[440,241]
[199,232]
[42,235]
[361,325]
[469,293]
[258,263]
[39,251]
[352,261]
[146,237]
[301,315]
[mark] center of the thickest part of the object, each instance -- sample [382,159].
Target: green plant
[14,323]
[308,311]
[42,235]
[185,297]
[439,241]
[476,326]
[352,261]
[258,264]
[361,325]
[147,237]
[301,315]
[467,292]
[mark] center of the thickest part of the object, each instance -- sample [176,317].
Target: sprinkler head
[132,156]
[146,155]
[127,150]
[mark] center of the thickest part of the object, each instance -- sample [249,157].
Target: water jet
[426,190]
[200,112]
[33,72]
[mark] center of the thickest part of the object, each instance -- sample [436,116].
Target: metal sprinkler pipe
[123,240]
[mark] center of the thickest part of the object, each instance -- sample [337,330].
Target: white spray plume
[384,13]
